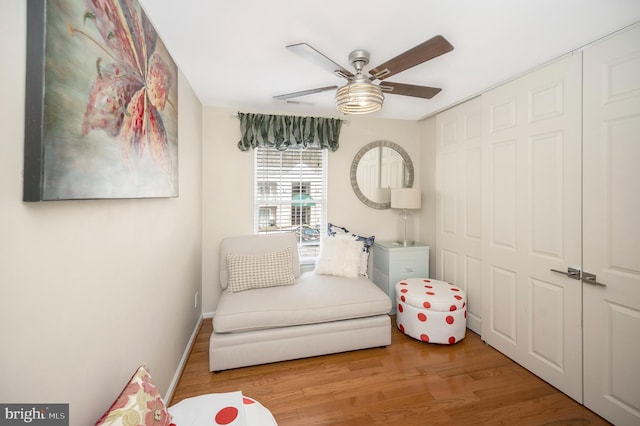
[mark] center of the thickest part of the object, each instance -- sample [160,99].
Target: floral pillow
[334,230]
[139,403]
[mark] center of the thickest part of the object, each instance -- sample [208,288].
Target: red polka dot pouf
[214,409]
[430,310]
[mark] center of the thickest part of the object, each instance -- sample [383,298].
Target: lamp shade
[405,198]
[359,98]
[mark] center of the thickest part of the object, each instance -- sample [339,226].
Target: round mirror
[376,169]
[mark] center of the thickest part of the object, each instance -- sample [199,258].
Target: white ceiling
[233,52]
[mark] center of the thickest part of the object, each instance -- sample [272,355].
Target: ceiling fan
[360,95]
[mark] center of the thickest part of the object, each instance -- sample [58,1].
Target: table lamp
[405,198]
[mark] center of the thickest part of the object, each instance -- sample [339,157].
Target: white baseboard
[183,362]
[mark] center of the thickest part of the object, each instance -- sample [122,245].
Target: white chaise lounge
[308,316]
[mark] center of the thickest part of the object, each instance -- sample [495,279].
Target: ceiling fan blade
[409,90]
[423,52]
[304,93]
[294,102]
[315,56]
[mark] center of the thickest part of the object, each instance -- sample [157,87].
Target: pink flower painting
[110,87]
[128,94]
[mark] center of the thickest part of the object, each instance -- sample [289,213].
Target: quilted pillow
[270,269]
[339,255]
[139,403]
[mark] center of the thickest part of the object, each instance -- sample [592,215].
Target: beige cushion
[261,270]
[256,244]
[313,299]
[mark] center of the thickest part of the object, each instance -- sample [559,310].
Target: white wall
[427,216]
[228,186]
[227,194]
[89,290]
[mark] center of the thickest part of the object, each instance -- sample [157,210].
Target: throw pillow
[333,230]
[210,409]
[339,255]
[364,264]
[270,269]
[220,409]
[138,403]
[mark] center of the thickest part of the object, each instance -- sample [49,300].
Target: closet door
[531,217]
[458,209]
[611,217]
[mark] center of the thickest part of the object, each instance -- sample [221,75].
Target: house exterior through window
[290,195]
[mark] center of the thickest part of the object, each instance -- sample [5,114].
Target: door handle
[588,278]
[570,272]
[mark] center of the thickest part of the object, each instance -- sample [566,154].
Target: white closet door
[611,215]
[531,221]
[458,208]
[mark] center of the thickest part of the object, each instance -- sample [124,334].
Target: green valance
[283,132]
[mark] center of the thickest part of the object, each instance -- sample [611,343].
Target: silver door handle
[570,272]
[588,278]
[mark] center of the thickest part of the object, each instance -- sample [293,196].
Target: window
[290,195]
[301,212]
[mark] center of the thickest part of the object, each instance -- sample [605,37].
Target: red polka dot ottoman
[430,310]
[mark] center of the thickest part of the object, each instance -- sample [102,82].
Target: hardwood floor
[406,383]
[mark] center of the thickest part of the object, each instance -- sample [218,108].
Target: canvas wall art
[101,116]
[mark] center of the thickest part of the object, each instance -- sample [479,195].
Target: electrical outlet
[195,300]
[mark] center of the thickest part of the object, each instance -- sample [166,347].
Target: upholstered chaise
[288,317]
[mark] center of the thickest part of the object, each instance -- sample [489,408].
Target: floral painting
[102,103]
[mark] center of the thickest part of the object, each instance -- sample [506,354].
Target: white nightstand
[393,262]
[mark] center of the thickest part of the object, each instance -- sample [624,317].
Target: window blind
[290,195]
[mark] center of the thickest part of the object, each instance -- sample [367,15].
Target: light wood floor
[406,383]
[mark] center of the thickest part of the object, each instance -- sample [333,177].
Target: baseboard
[183,362]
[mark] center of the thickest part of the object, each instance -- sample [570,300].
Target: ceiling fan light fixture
[359,98]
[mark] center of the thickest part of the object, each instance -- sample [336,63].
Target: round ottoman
[430,310]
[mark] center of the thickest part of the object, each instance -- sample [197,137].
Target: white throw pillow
[367,242]
[339,255]
[260,270]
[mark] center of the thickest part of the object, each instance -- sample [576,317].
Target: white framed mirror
[377,168]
